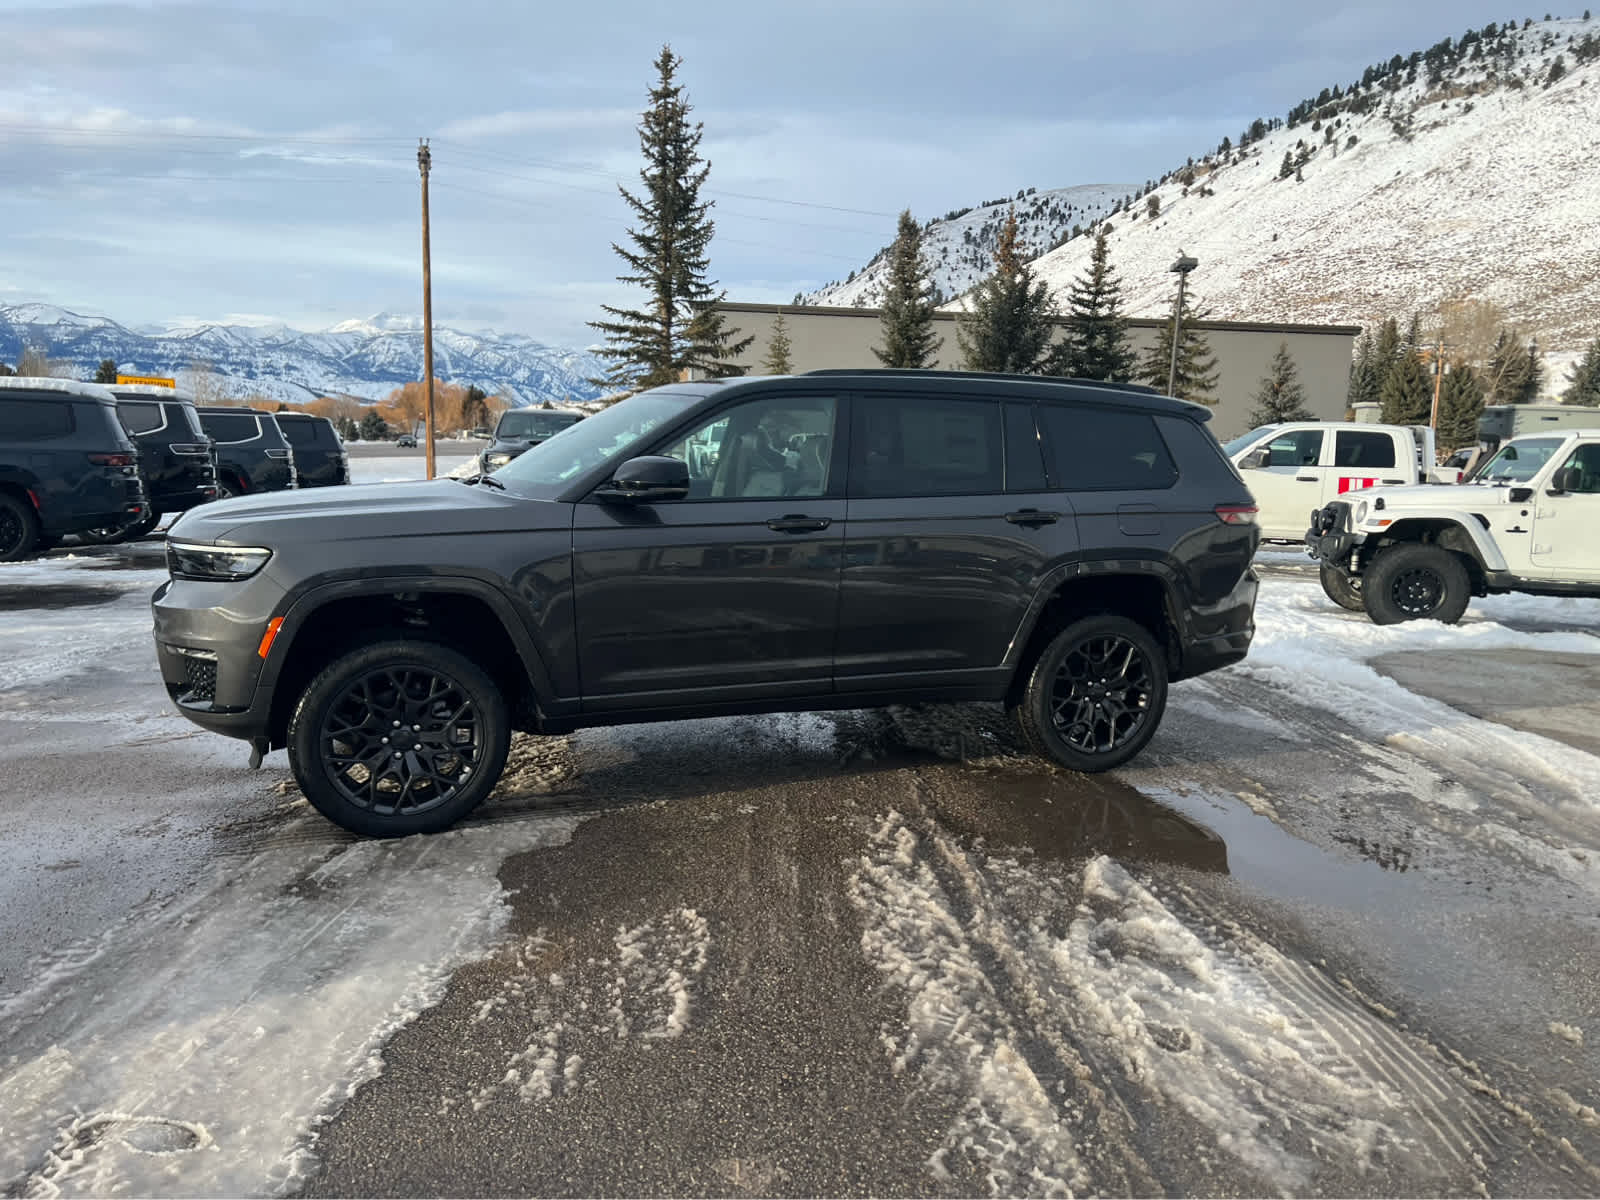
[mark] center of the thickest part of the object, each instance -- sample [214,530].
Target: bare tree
[36,362]
[202,382]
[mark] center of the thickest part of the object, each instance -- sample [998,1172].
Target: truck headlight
[1361,511]
[495,461]
[214,564]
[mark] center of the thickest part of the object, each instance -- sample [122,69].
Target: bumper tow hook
[259,747]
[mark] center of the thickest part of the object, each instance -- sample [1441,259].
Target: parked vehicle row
[521,429]
[180,456]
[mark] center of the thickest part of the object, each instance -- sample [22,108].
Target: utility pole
[424,162]
[1181,268]
[1438,379]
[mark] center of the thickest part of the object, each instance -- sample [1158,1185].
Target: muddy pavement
[888,954]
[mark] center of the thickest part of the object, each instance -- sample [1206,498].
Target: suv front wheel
[1096,695]
[398,738]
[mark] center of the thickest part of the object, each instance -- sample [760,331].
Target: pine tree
[1385,354]
[1460,405]
[908,339]
[373,427]
[1012,316]
[681,328]
[777,361]
[1280,397]
[1406,395]
[1364,381]
[107,371]
[1583,385]
[1196,377]
[1096,345]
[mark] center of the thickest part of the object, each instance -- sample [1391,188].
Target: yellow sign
[150,379]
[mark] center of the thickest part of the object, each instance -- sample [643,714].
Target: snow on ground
[403,468]
[45,643]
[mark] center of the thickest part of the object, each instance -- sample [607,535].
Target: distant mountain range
[366,359]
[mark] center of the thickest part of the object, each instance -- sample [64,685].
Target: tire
[1415,582]
[354,706]
[108,536]
[19,529]
[1068,714]
[1342,590]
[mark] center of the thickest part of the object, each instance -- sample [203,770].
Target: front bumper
[1331,537]
[207,636]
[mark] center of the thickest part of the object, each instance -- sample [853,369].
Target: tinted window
[1298,448]
[230,427]
[779,446]
[1104,449]
[922,446]
[308,433]
[34,420]
[1024,455]
[1363,448]
[184,417]
[534,424]
[139,416]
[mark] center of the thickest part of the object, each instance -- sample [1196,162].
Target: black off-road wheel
[1096,695]
[1341,589]
[399,737]
[1415,582]
[19,529]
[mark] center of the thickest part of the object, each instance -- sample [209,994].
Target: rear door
[1364,458]
[949,531]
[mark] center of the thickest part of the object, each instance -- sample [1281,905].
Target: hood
[437,507]
[1438,495]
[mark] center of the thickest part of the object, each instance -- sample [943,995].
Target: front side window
[1297,448]
[1519,461]
[1105,449]
[1364,449]
[777,446]
[1585,463]
[139,416]
[231,427]
[545,469]
[34,420]
[926,446]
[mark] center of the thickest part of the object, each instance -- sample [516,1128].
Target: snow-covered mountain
[1472,179]
[365,358]
[959,246]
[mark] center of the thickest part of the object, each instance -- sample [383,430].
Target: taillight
[112,460]
[190,449]
[1236,514]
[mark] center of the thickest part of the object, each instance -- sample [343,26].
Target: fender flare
[1052,581]
[1483,546]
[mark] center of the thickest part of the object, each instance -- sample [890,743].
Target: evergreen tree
[1012,316]
[1460,405]
[908,339]
[1280,397]
[1406,395]
[777,361]
[1512,374]
[1196,377]
[1583,385]
[1096,345]
[681,327]
[1385,354]
[373,427]
[1412,343]
[106,372]
[1364,374]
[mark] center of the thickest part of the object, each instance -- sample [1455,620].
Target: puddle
[54,596]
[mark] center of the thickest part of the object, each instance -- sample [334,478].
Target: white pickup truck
[1529,521]
[1294,468]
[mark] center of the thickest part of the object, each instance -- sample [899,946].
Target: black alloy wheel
[19,529]
[1096,695]
[399,738]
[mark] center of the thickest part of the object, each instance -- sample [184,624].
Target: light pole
[424,164]
[1181,269]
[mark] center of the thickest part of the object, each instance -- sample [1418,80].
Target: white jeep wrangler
[1528,522]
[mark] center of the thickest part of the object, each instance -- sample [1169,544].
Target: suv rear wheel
[1415,582]
[398,738]
[1096,695]
[19,529]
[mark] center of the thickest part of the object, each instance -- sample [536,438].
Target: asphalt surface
[876,953]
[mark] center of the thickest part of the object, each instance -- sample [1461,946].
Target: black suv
[177,461]
[522,428]
[319,455]
[842,539]
[252,453]
[66,464]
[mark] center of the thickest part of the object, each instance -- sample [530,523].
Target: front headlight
[1361,511]
[495,461]
[189,560]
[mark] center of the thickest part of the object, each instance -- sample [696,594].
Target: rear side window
[184,417]
[34,420]
[230,427]
[926,446]
[1104,449]
[309,433]
[1363,448]
[139,416]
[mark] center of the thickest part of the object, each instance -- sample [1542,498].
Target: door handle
[1032,516]
[1306,479]
[1394,481]
[795,523]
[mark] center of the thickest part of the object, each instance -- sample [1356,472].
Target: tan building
[844,337]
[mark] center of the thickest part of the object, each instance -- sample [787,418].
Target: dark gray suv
[837,540]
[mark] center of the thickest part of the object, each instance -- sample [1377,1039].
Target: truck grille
[200,674]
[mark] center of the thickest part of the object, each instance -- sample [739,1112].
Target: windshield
[1518,461]
[548,467]
[539,423]
[1245,439]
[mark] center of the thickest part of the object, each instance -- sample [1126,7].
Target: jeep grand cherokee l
[858,538]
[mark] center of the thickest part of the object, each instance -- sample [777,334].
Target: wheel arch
[1464,535]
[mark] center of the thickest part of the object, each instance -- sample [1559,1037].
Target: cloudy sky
[257,161]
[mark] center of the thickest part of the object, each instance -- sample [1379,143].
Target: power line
[75,131]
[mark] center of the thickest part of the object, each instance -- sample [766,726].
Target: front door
[1289,486]
[731,593]
[1566,528]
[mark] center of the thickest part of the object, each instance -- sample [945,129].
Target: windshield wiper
[491,481]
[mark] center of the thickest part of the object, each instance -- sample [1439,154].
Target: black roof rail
[998,376]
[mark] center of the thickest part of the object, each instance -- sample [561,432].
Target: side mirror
[1256,460]
[1562,481]
[646,480]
